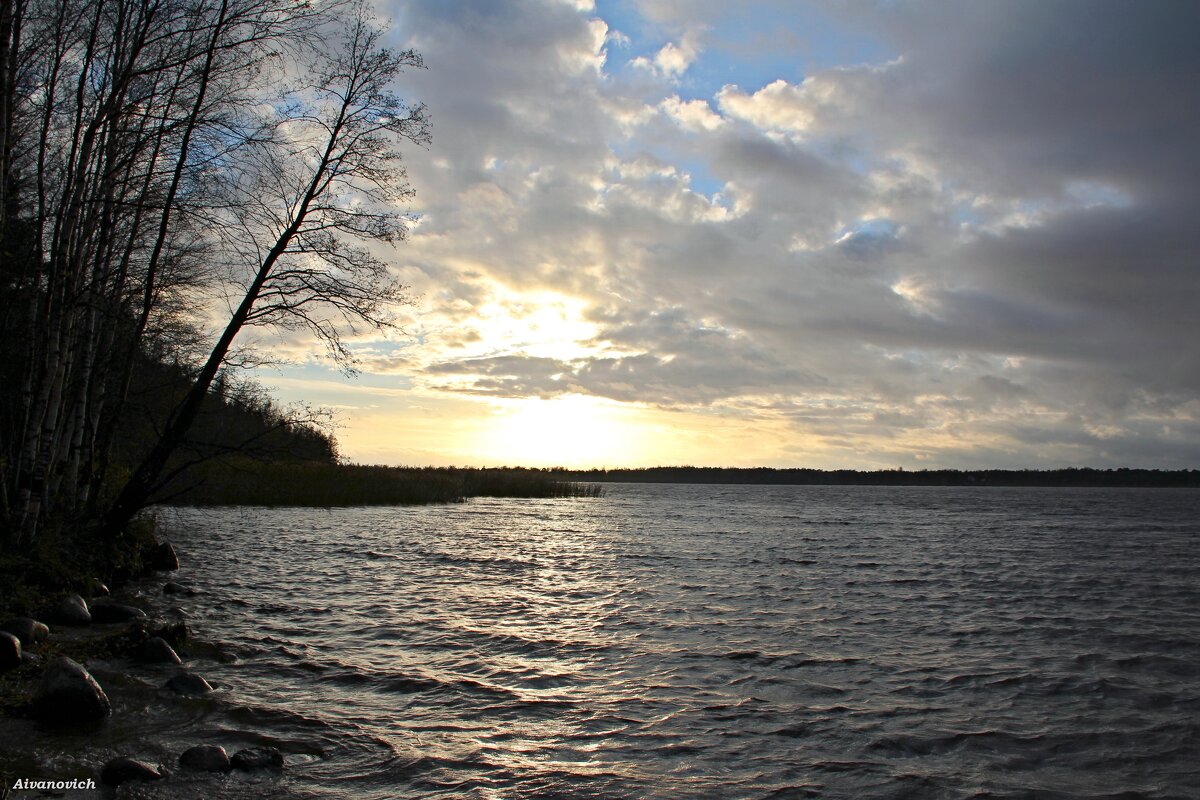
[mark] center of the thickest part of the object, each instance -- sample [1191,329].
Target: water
[689,642]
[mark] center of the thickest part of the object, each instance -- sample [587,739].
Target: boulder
[258,758]
[72,610]
[188,683]
[10,651]
[96,588]
[105,613]
[171,587]
[27,629]
[68,693]
[122,770]
[206,758]
[163,558]
[155,650]
[173,631]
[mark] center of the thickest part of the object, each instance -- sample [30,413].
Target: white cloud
[692,115]
[672,60]
[619,39]
[586,52]
[777,106]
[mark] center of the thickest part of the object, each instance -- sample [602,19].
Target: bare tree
[148,153]
[300,204]
[102,102]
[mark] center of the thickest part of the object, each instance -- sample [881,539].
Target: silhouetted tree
[157,152]
[298,203]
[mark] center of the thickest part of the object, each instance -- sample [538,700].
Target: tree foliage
[155,156]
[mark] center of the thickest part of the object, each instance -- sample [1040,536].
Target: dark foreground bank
[88,681]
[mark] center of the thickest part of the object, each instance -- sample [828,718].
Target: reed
[325,485]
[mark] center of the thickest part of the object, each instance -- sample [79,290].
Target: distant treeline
[895,477]
[325,484]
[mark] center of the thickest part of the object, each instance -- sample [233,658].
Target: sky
[837,235]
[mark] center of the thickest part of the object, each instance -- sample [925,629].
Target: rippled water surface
[705,641]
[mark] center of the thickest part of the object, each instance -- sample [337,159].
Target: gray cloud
[988,240]
[1026,94]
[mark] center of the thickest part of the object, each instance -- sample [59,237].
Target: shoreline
[148,673]
[136,650]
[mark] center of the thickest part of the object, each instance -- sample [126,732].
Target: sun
[570,431]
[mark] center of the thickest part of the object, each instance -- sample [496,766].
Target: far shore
[1074,476]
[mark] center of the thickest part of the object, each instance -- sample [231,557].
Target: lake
[672,641]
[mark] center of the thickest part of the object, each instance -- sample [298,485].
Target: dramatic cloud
[936,234]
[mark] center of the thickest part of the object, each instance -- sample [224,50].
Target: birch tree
[152,151]
[301,204]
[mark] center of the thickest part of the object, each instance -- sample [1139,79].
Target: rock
[74,611]
[105,613]
[206,757]
[68,693]
[122,770]
[10,651]
[27,629]
[188,683]
[258,758]
[163,558]
[155,650]
[174,632]
[171,587]
[96,588]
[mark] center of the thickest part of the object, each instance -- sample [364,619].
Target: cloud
[691,115]
[777,106]
[978,248]
[672,60]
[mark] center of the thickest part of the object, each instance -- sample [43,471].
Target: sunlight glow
[538,323]
[570,431]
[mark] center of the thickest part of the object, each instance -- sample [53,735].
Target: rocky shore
[137,639]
